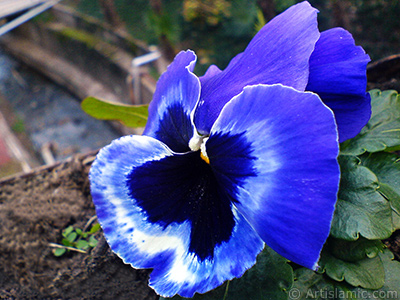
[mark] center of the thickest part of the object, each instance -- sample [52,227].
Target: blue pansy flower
[236,158]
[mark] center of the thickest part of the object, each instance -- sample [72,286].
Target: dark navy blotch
[232,160]
[175,129]
[180,188]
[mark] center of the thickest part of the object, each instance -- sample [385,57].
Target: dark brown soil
[384,74]
[34,209]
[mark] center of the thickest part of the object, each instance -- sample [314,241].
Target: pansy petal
[352,113]
[212,71]
[164,211]
[177,92]
[274,149]
[279,53]
[338,76]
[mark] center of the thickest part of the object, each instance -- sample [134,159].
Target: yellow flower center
[204,157]
[198,142]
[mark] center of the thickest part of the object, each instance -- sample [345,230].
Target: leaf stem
[89,222]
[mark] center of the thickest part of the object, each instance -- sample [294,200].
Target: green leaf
[392,275]
[382,133]
[95,228]
[310,285]
[67,231]
[82,244]
[67,243]
[59,251]
[396,220]
[71,237]
[360,209]
[78,231]
[352,251]
[270,278]
[386,167]
[367,272]
[391,194]
[129,115]
[92,241]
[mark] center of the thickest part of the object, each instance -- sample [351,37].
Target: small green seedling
[76,239]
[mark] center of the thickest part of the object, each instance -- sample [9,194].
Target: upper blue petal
[279,53]
[177,92]
[211,72]
[165,211]
[274,150]
[338,76]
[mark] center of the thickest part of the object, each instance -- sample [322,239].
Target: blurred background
[219,29]
[63,51]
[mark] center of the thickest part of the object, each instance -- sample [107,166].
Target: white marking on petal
[196,141]
[203,147]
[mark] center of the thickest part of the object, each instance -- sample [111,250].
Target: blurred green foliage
[218,30]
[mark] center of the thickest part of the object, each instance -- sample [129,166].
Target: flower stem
[226,290]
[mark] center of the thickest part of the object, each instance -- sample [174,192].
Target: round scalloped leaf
[382,132]
[269,279]
[360,209]
[366,273]
[386,167]
[391,288]
[352,251]
[311,285]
